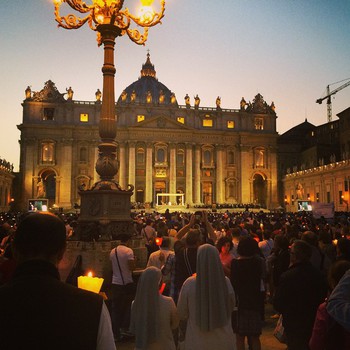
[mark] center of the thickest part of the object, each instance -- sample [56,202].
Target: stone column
[149,170]
[246,162]
[219,174]
[172,172]
[122,166]
[189,193]
[131,177]
[197,175]
[66,193]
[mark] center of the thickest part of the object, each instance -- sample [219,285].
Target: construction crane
[329,94]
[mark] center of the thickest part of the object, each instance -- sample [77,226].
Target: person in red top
[327,334]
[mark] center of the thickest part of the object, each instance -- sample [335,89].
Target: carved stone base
[104,215]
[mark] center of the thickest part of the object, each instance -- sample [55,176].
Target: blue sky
[288,51]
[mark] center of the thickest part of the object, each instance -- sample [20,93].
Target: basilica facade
[171,153]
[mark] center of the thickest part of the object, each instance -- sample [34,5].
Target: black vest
[38,311]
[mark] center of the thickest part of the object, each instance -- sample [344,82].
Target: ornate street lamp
[106,201]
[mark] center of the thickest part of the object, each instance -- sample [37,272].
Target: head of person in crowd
[324,237]
[40,236]
[248,247]
[236,233]
[343,249]
[124,238]
[224,245]
[310,237]
[211,287]
[165,242]
[145,309]
[193,238]
[300,252]
[149,222]
[280,243]
[336,272]
[162,229]
[267,234]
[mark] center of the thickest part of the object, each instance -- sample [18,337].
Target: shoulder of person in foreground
[339,302]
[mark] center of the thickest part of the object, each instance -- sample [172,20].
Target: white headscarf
[145,309]
[212,299]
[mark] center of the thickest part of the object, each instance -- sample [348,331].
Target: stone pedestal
[104,215]
[95,257]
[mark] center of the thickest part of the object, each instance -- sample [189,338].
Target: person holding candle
[40,311]
[153,315]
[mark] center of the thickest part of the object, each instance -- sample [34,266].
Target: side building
[183,154]
[7,177]
[314,164]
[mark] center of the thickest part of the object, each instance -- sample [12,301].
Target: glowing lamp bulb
[147,14]
[100,18]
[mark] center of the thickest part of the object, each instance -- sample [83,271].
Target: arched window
[207,157]
[47,152]
[259,157]
[160,155]
[83,154]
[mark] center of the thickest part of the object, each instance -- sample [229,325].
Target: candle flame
[89,274]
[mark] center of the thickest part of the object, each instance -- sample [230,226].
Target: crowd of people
[208,278]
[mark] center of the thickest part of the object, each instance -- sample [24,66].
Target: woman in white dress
[153,316]
[206,301]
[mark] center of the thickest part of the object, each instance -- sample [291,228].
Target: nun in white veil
[206,301]
[153,316]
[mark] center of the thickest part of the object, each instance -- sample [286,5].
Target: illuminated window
[208,123]
[181,120]
[84,117]
[47,152]
[259,124]
[140,118]
[230,124]
[49,113]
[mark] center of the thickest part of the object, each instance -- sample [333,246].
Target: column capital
[132,143]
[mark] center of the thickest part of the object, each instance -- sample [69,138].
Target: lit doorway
[49,180]
[259,190]
[207,193]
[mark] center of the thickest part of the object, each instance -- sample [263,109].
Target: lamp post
[106,201]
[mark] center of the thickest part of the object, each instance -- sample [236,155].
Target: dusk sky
[288,51]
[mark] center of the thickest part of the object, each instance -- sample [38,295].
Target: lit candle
[93,284]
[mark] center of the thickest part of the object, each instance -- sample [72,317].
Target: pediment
[48,93]
[162,122]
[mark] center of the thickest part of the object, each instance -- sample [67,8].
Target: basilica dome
[147,89]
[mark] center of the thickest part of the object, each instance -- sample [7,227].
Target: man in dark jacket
[300,291]
[39,311]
